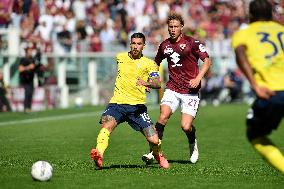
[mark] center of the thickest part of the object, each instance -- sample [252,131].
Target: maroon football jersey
[182,58]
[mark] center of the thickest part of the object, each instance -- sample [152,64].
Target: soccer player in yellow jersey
[135,74]
[259,52]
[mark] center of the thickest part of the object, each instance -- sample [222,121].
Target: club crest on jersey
[182,46]
[168,50]
[202,48]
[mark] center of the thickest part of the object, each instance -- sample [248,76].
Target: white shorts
[189,102]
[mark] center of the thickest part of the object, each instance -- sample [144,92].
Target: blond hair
[175,16]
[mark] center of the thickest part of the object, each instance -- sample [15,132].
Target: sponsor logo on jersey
[175,58]
[168,50]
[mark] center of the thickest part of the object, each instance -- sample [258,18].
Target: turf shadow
[127,166]
[131,166]
[180,161]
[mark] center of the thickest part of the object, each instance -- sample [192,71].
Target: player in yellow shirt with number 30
[260,55]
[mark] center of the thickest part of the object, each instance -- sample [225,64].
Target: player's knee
[108,122]
[107,119]
[186,127]
[163,119]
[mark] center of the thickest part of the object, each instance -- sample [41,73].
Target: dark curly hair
[260,10]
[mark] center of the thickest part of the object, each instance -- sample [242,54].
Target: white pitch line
[53,118]
[56,118]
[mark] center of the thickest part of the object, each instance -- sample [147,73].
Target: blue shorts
[135,115]
[265,115]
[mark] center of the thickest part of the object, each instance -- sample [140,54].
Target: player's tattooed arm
[153,82]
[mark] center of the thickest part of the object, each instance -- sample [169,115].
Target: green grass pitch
[64,138]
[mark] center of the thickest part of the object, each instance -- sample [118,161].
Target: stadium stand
[64,29]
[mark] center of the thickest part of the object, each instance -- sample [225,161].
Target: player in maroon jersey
[182,53]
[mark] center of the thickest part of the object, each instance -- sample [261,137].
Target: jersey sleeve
[200,50]
[160,55]
[239,38]
[153,69]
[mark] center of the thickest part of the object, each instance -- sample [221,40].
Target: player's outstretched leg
[102,144]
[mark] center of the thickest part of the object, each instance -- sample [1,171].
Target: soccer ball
[41,171]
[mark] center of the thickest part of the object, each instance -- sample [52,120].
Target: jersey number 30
[266,39]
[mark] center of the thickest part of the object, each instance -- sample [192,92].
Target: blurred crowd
[72,26]
[63,26]
[98,25]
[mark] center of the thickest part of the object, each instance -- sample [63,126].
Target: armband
[154,74]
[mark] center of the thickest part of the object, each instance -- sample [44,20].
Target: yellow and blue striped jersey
[126,91]
[265,51]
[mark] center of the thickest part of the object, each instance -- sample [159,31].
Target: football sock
[159,146]
[160,129]
[270,152]
[155,149]
[102,140]
[191,135]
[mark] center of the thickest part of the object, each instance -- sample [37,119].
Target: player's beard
[135,53]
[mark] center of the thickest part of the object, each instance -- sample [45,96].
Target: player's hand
[148,89]
[263,92]
[141,82]
[193,83]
